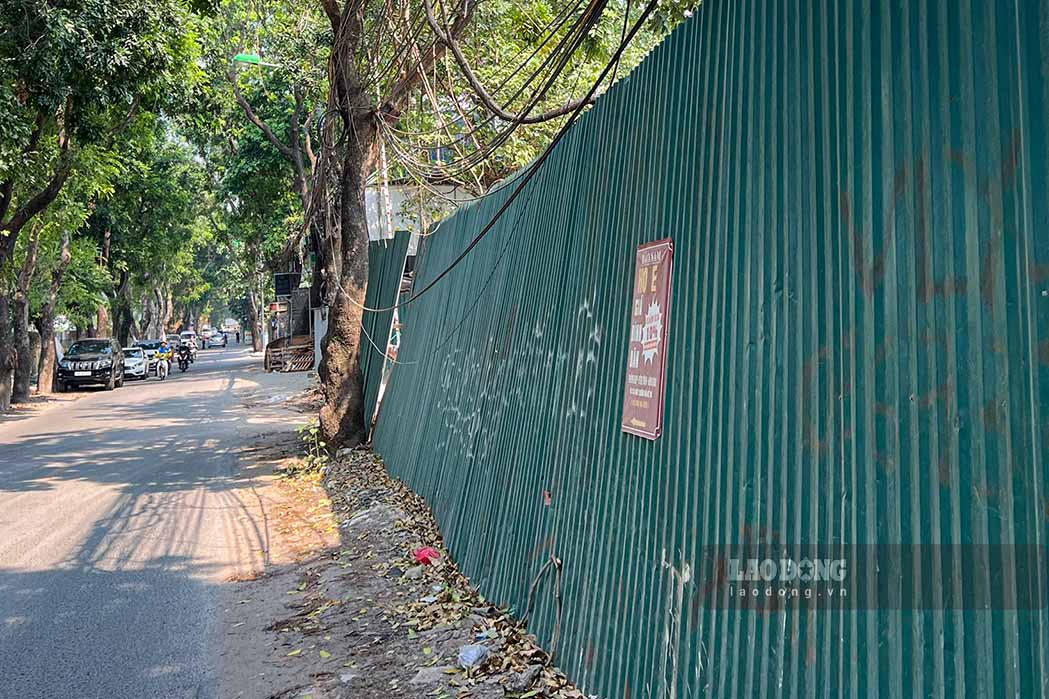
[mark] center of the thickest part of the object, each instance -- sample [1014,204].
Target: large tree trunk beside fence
[342,418]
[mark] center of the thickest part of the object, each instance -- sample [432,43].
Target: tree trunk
[156,323]
[7,352]
[45,379]
[20,321]
[46,322]
[147,315]
[342,418]
[34,351]
[255,318]
[23,349]
[123,318]
[190,317]
[102,327]
[257,333]
[169,313]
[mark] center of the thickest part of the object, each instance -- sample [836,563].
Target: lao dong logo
[769,582]
[787,570]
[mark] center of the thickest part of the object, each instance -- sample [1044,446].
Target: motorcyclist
[183,356]
[165,355]
[191,345]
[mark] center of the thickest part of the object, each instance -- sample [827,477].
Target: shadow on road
[122,514]
[183,433]
[50,631]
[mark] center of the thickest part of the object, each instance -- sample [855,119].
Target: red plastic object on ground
[426,555]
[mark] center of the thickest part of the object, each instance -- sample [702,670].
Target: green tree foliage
[83,285]
[151,230]
[80,81]
[73,73]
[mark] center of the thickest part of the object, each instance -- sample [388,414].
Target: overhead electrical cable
[529,173]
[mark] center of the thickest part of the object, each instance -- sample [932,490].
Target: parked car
[136,364]
[92,361]
[218,340]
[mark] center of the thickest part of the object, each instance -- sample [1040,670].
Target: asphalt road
[121,514]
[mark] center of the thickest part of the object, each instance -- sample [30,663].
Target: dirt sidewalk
[356,615]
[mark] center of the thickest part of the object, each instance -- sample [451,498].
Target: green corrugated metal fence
[859,350]
[385,267]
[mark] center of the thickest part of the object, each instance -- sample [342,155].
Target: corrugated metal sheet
[859,350]
[385,267]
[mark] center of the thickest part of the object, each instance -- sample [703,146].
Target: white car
[218,340]
[149,347]
[136,364]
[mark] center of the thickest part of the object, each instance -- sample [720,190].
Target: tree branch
[254,119]
[308,141]
[284,256]
[301,175]
[331,8]
[59,272]
[25,275]
[39,202]
[122,124]
[7,187]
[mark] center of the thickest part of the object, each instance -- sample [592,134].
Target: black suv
[92,362]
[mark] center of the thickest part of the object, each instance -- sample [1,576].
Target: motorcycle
[183,358]
[164,364]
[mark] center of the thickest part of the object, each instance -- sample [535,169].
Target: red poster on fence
[649,322]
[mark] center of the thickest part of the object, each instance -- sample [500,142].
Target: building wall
[438,201]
